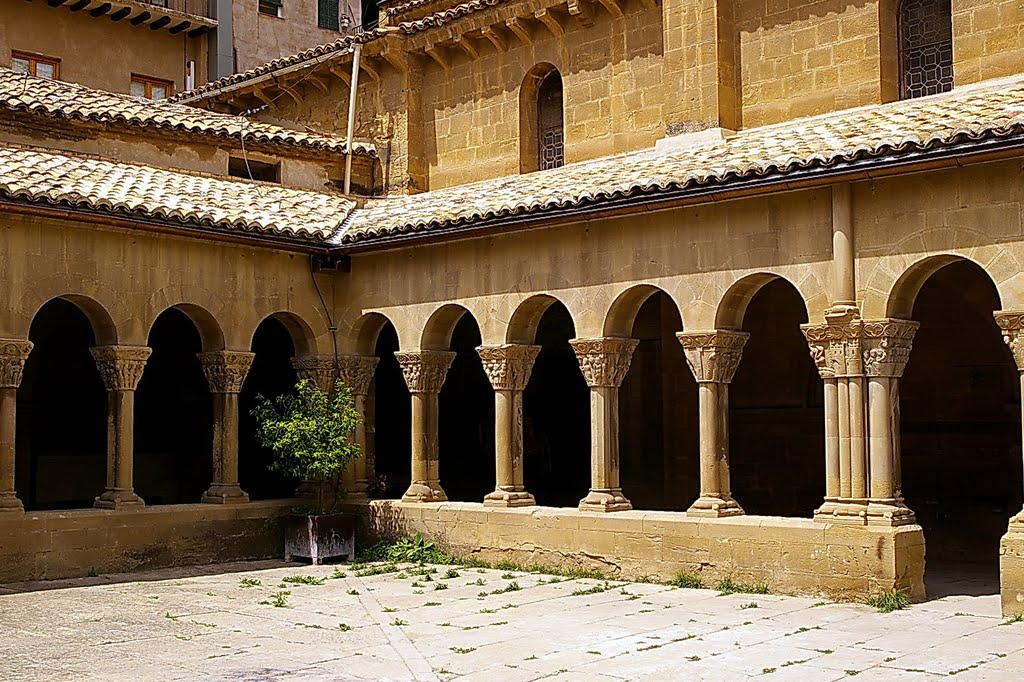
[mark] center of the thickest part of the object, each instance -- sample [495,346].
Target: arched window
[926,47]
[550,130]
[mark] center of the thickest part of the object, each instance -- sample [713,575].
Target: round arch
[529,124]
[522,326]
[902,296]
[624,309]
[366,331]
[301,333]
[733,305]
[210,332]
[103,327]
[437,332]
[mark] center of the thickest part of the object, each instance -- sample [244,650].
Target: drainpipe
[352,116]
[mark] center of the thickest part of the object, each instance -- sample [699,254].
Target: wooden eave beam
[55,3]
[101,10]
[120,14]
[140,18]
[178,28]
[80,5]
[159,23]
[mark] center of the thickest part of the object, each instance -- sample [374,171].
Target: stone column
[508,367]
[1011,546]
[356,372]
[713,357]
[225,371]
[1011,324]
[121,368]
[424,373]
[887,345]
[604,363]
[13,354]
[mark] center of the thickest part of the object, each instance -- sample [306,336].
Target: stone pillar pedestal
[13,354]
[1011,547]
[713,357]
[424,373]
[225,372]
[860,363]
[508,367]
[356,372]
[121,368]
[604,363]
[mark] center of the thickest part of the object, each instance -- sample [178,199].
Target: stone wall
[65,544]
[792,556]
[260,38]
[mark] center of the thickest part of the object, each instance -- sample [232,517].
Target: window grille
[926,47]
[550,129]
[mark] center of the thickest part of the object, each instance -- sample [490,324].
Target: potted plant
[310,434]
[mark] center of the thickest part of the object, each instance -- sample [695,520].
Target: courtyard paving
[476,624]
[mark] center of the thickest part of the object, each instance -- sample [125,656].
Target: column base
[715,507]
[843,511]
[889,512]
[427,491]
[9,502]
[1011,567]
[225,493]
[605,500]
[118,498]
[509,498]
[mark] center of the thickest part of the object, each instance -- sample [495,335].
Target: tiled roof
[448,15]
[61,100]
[44,176]
[818,143]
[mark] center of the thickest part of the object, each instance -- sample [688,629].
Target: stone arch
[733,305]
[366,331]
[210,332]
[437,332]
[103,327]
[529,114]
[300,331]
[522,326]
[624,309]
[903,294]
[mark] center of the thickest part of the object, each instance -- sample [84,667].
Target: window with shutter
[327,14]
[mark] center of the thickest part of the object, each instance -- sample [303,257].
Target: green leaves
[309,432]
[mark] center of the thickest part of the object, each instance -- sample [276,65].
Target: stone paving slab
[203,623]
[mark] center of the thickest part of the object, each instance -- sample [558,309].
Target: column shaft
[832,490]
[225,372]
[424,374]
[880,441]
[858,462]
[121,368]
[845,465]
[13,354]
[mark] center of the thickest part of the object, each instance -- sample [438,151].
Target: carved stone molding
[121,367]
[508,366]
[836,347]
[318,369]
[13,354]
[424,370]
[604,361]
[225,370]
[713,356]
[887,345]
[1011,324]
[356,372]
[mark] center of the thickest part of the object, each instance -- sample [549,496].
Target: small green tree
[310,435]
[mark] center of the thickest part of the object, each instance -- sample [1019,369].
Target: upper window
[151,88]
[327,15]
[271,7]
[35,64]
[242,167]
[550,130]
[926,47]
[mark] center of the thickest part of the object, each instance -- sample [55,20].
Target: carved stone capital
[121,367]
[356,372]
[887,345]
[836,346]
[604,361]
[425,370]
[317,369]
[508,366]
[13,354]
[713,356]
[225,370]
[1011,324]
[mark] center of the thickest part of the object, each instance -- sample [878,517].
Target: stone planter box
[318,539]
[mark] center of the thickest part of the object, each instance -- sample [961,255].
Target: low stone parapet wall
[63,544]
[794,556]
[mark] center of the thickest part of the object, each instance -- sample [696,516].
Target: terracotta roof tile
[58,99]
[874,132]
[44,176]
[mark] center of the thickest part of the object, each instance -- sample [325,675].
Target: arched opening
[389,411]
[270,375]
[541,120]
[658,418]
[960,426]
[61,439]
[173,416]
[556,410]
[466,419]
[925,47]
[776,411]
